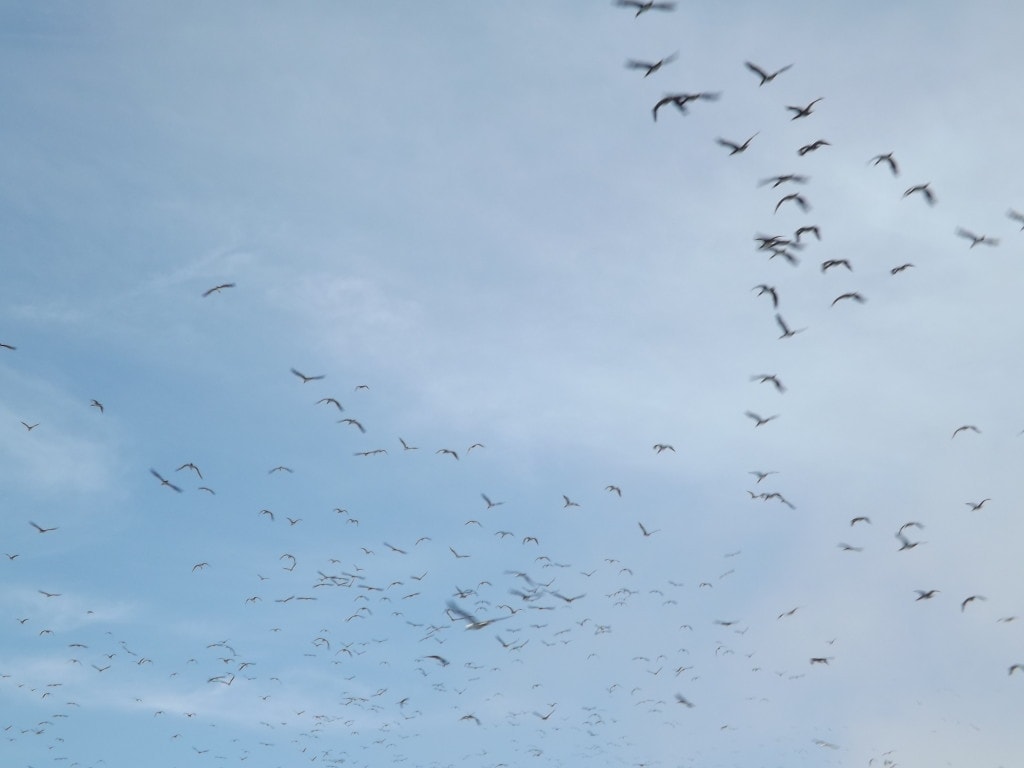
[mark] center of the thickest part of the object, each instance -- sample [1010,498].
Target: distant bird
[850,548]
[7,346]
[925,191]
[680,699]
[769,377]
[473,621]
[163,481]
[218,289]
[968,600]
[976,239]
[680,100]
[1011,214]
[614,489]
[762,289]
[796,198]
[852,295]
[489,502]
[827,265]
[306,379]
[645,5]
[40,529]
[646,532]
[975,506]
[923,594]
[806,148]
[191,466]
[568,502]
[803,111]
[354,423]
[449,452]
[28,426]
[765,76]
[736,148]
[965,428]
[1015,667]
[374,452]
[760,419]
[289,470]
[886,158]
[406,446]
[900,268]
[330,401]
[762,475]
[200,566]
[777,180]
[811,229]
[96,404]
[662,447]
[651,67]
[786,330]
[861,519]
[457,555]
[906,543]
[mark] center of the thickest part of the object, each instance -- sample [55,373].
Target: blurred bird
[306,379]
[651,67]
[888,159]
[924,190]
[804,111]
[218,289]
[643,6]
[765,76]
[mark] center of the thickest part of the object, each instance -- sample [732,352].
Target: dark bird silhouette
[786,330]
[804,111]
[330,401]
[40,529]
[762,289]
[900,268]
[289,470]
[975,506]
[406,446]
[7,346]
[860,519]
[806,148]
[797,198]
[925,191]
[734,148]
[766,77]
[96,404]
[568,502]
[489,502]
[810,229]
[923,594]
[760,419]
[889,160]
[614,489]
[680,100]
[163,481]
[852,295]
[472,621]
[968,600]
[191,466]
[218,289]
[976,239]
[827,265]
[762,475]
[651,67]
[680,699]
[661,447]
[306,379]
[449,452]
[28,426]
[354,423]
[646,532]
[769,377]
[643,6]
[777,180]
[965,428]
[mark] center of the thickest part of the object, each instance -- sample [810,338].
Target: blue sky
[464,218]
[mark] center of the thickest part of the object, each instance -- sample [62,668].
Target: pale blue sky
[468,209]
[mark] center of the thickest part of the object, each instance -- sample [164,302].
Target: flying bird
[976,239]
[975,506]
[769,377]
[449,452]
[489,502]
[330,401]
[472,621]
[354,423]
[924,190]
[828,264]
[923,594]
[761,475]
[888,159]
[762,289]
[1010,214]
[852,295]
[96,404]
[191,466]
[736,148]
[7,346]
[900,268]
[28,426]
[796,198]
[306,379]
[969,600]
[168,483]
[646,532]
[568,502]
[765,76]
[806,148]
[614,489]
[651,67]
[218,289]
[786,330]
[40,529]
[661,447]
[642,6]
[760,419]
[777,180]
[804,111]
[965,428]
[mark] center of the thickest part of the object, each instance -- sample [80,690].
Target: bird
[828,264]
[354,423]
[646,532]
[191,466]
[449,452]
[614,489]
[886,158]
[796,198]
[96,404]
[457,555]
[760,419]
[762,289]
[976,239]
[40,529]
[812,147]
[643,6]
[489,502]
[900,268]
[218,289]
[762,475]
[661,447]
[852,295]
[906,543]
[975,506]
[289,470]
[7,346]
[330,401]
[306,379]
[777,180]
[850,548]
[925,191]
[965,428]
[769,377]
[28,426]
[923,594]
[169,484]
[472,621]
[1015,667]
[811,229]
[568,502]
[651,67]
[860,519]
[406,446]
[786,330]
[680,699]
[968,600]
[804,111]
[736,148]
[44,593]
[680,100]
[765,76]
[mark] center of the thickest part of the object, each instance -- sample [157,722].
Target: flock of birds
[382,610]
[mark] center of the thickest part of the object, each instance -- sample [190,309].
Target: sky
[228,228]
